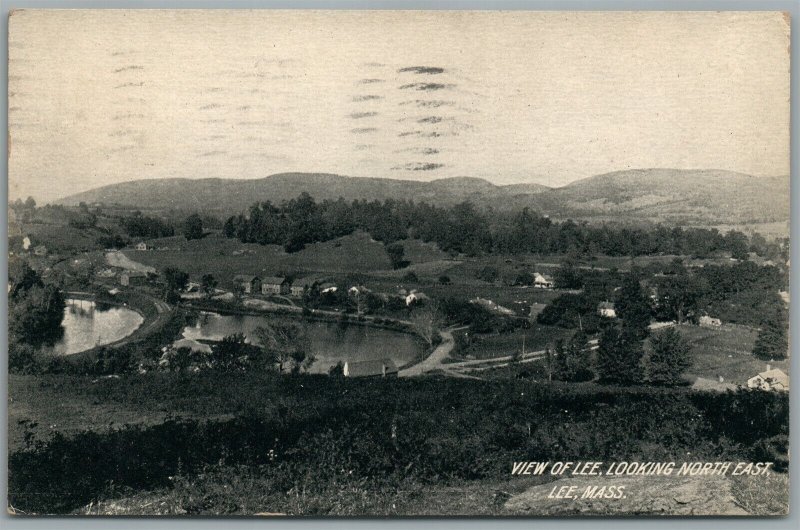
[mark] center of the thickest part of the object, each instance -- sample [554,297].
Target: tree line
[463,228]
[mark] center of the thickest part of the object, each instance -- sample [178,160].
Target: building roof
[541,277]
[605,305]
[776,375]
[275,280]
[370,368]
[245,278]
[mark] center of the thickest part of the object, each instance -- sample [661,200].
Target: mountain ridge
[708,196]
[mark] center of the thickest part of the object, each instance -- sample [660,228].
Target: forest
[463,228]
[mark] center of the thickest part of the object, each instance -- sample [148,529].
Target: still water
[329,342]
[87,325]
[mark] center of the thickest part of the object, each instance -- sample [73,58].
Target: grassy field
[725,352]
[215,255]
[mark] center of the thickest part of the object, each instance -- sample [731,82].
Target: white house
[141,245]
[708,322]
[415,296]
[770,379]
[542,282]
[607,310]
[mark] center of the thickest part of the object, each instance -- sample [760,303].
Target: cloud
[363,130]
[426,86]
[359,115]
[130,84]
[371,81]
[366,97]
[363,147]
[253,122]
[244,107]
[374,65]
[210,106]
[126,68]
[213,153]
[431,70]
[420,134]
[432,119]
[419,166]
[428,103]
[127,116]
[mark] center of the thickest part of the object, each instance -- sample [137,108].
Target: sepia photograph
[283,263]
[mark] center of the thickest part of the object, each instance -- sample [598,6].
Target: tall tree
[670,357]
[573,359]
[773,340]
[619,356]
[193,227]
[633,306]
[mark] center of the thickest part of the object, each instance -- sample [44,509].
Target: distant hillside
[232,195]
[667,195]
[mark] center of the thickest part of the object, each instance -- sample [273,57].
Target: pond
[87,324]
[329,342]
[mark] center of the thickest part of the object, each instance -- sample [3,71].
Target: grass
[762,494]
[725,352]
[214,255]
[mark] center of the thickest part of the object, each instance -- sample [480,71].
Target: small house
[327,287]
[378,368]
[249,283]
[275,285]
[607,310]
[708,322]
[770,379]
[40,250]
[132,278]
[142,246]
[415,296]
[297,289]
[541,281]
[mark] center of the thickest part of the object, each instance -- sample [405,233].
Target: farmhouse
[379,368]
[297,290]
[415,296]
[142,246]
[542,282]
[275,285]
[607,310]
[132,278]
[708,322]
[249,283]
[770,379]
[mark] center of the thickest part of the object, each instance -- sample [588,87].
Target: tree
[410,277]
[488,274]
[396,253]
[444,279]
[670,357]
[284,342]
[176,279]
[633,306]
[619,356]
[679,297]
[772,341]
[193,227]
[208,283]
[426,321]
[573,359]
[336,370]
[229,355]
[567,276]
[35,310]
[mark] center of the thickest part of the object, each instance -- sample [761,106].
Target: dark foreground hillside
[247,443]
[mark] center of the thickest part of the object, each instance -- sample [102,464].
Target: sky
[106,96]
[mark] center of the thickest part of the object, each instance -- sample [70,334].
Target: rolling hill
[693,197]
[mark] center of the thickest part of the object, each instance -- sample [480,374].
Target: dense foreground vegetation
[326,437]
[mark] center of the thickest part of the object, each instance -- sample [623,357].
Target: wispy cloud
[426,86]
[430,70]
[419,166]
[130,84]
[210,106]
[366,97]
[129,67]
[360,115]
[363,130]
[428,103]
[370,81]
